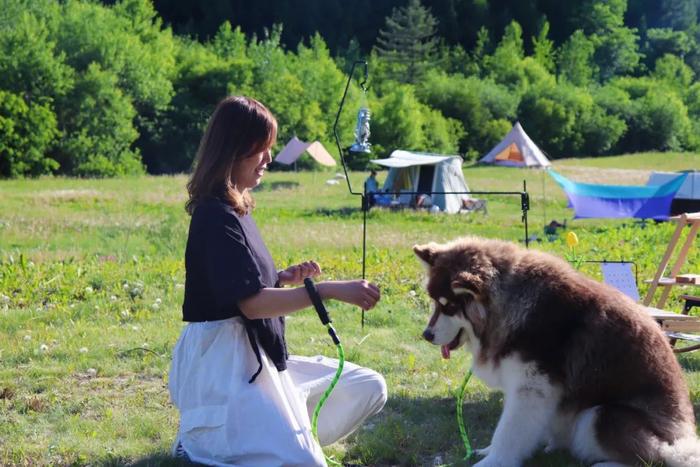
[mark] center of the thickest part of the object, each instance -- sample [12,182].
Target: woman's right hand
[356,292]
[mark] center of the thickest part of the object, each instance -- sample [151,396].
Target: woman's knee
[375,387]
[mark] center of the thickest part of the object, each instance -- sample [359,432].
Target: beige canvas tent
[516,150]
[428,173]
[295,148]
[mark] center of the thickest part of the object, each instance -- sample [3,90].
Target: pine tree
[408,41]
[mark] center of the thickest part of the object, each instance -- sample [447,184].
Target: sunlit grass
[91,283]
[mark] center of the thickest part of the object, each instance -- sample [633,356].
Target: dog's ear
[467,283]
[426,253]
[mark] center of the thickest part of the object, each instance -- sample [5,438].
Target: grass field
[91,283]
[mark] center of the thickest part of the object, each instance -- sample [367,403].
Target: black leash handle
[320,308]
[316,301]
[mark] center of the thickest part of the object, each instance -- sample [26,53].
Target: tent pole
[544,201]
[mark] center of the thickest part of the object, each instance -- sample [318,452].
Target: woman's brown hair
[240,127]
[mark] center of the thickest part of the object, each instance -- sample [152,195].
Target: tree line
[107,89]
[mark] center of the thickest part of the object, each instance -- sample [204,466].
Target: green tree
[616,50]
[576,60]
[408,41]
[671,70]
[662,41]
[505,65]
[543,48]
[483,107]
[403,122]
[26,133]
[99,134]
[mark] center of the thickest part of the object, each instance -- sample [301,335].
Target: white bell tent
[516,150]
[426,173]
[295,148]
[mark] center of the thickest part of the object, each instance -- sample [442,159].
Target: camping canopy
[427,173]
[516,150]
[295,148]
[687,198]
[619,201]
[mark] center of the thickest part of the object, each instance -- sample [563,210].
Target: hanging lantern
[362,143]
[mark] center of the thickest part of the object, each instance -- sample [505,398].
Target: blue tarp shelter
[619,201]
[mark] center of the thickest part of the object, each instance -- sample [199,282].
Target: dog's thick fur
[581,365]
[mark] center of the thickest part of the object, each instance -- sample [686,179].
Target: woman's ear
[467,283]
[426,253]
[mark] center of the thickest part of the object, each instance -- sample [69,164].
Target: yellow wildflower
[571,239]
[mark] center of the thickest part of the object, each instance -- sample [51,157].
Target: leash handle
[318,303]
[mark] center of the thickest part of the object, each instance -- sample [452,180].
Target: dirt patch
[606,176]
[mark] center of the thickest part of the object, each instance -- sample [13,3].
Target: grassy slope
[91,280]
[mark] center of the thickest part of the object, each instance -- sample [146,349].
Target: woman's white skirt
[226,421]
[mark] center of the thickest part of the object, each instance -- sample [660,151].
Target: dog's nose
[428,335]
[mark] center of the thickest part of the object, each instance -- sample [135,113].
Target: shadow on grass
[424,432]
[335,213]
[409,432]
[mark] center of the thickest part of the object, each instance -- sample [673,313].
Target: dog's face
[457,283]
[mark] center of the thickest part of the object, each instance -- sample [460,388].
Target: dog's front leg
[527,411]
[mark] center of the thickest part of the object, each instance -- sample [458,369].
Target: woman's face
[248,172]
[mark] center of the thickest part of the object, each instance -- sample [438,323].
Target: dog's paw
[483,452]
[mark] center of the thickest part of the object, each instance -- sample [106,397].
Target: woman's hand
[295,275]
[358,292]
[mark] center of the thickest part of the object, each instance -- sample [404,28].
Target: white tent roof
[400,158]
[295,148]
[516,150]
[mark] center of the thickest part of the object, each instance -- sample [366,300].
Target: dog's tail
[684,452]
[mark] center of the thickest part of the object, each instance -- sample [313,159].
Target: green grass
[91,277]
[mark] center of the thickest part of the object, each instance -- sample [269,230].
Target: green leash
[326,321]
[329,389]
[460,417]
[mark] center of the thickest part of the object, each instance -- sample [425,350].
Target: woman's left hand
[295,275]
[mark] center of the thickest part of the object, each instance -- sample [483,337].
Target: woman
[242,399]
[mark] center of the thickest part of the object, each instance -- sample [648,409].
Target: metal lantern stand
[524,197]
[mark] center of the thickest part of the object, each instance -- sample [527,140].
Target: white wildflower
[91,372]
[412,293]
[43,348]
[113,298]
[4,298]
[83,350]
[88,289]
[27,337]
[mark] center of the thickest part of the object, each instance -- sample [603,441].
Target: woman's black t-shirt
[227,261]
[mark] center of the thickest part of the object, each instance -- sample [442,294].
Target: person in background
[242,399]
[371,187]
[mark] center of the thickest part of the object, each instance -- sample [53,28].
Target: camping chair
[677,326]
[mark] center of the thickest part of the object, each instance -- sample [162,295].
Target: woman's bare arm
[273,302]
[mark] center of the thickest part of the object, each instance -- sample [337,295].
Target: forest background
[93,88]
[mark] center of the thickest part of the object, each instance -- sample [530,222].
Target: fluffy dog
[582,367]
